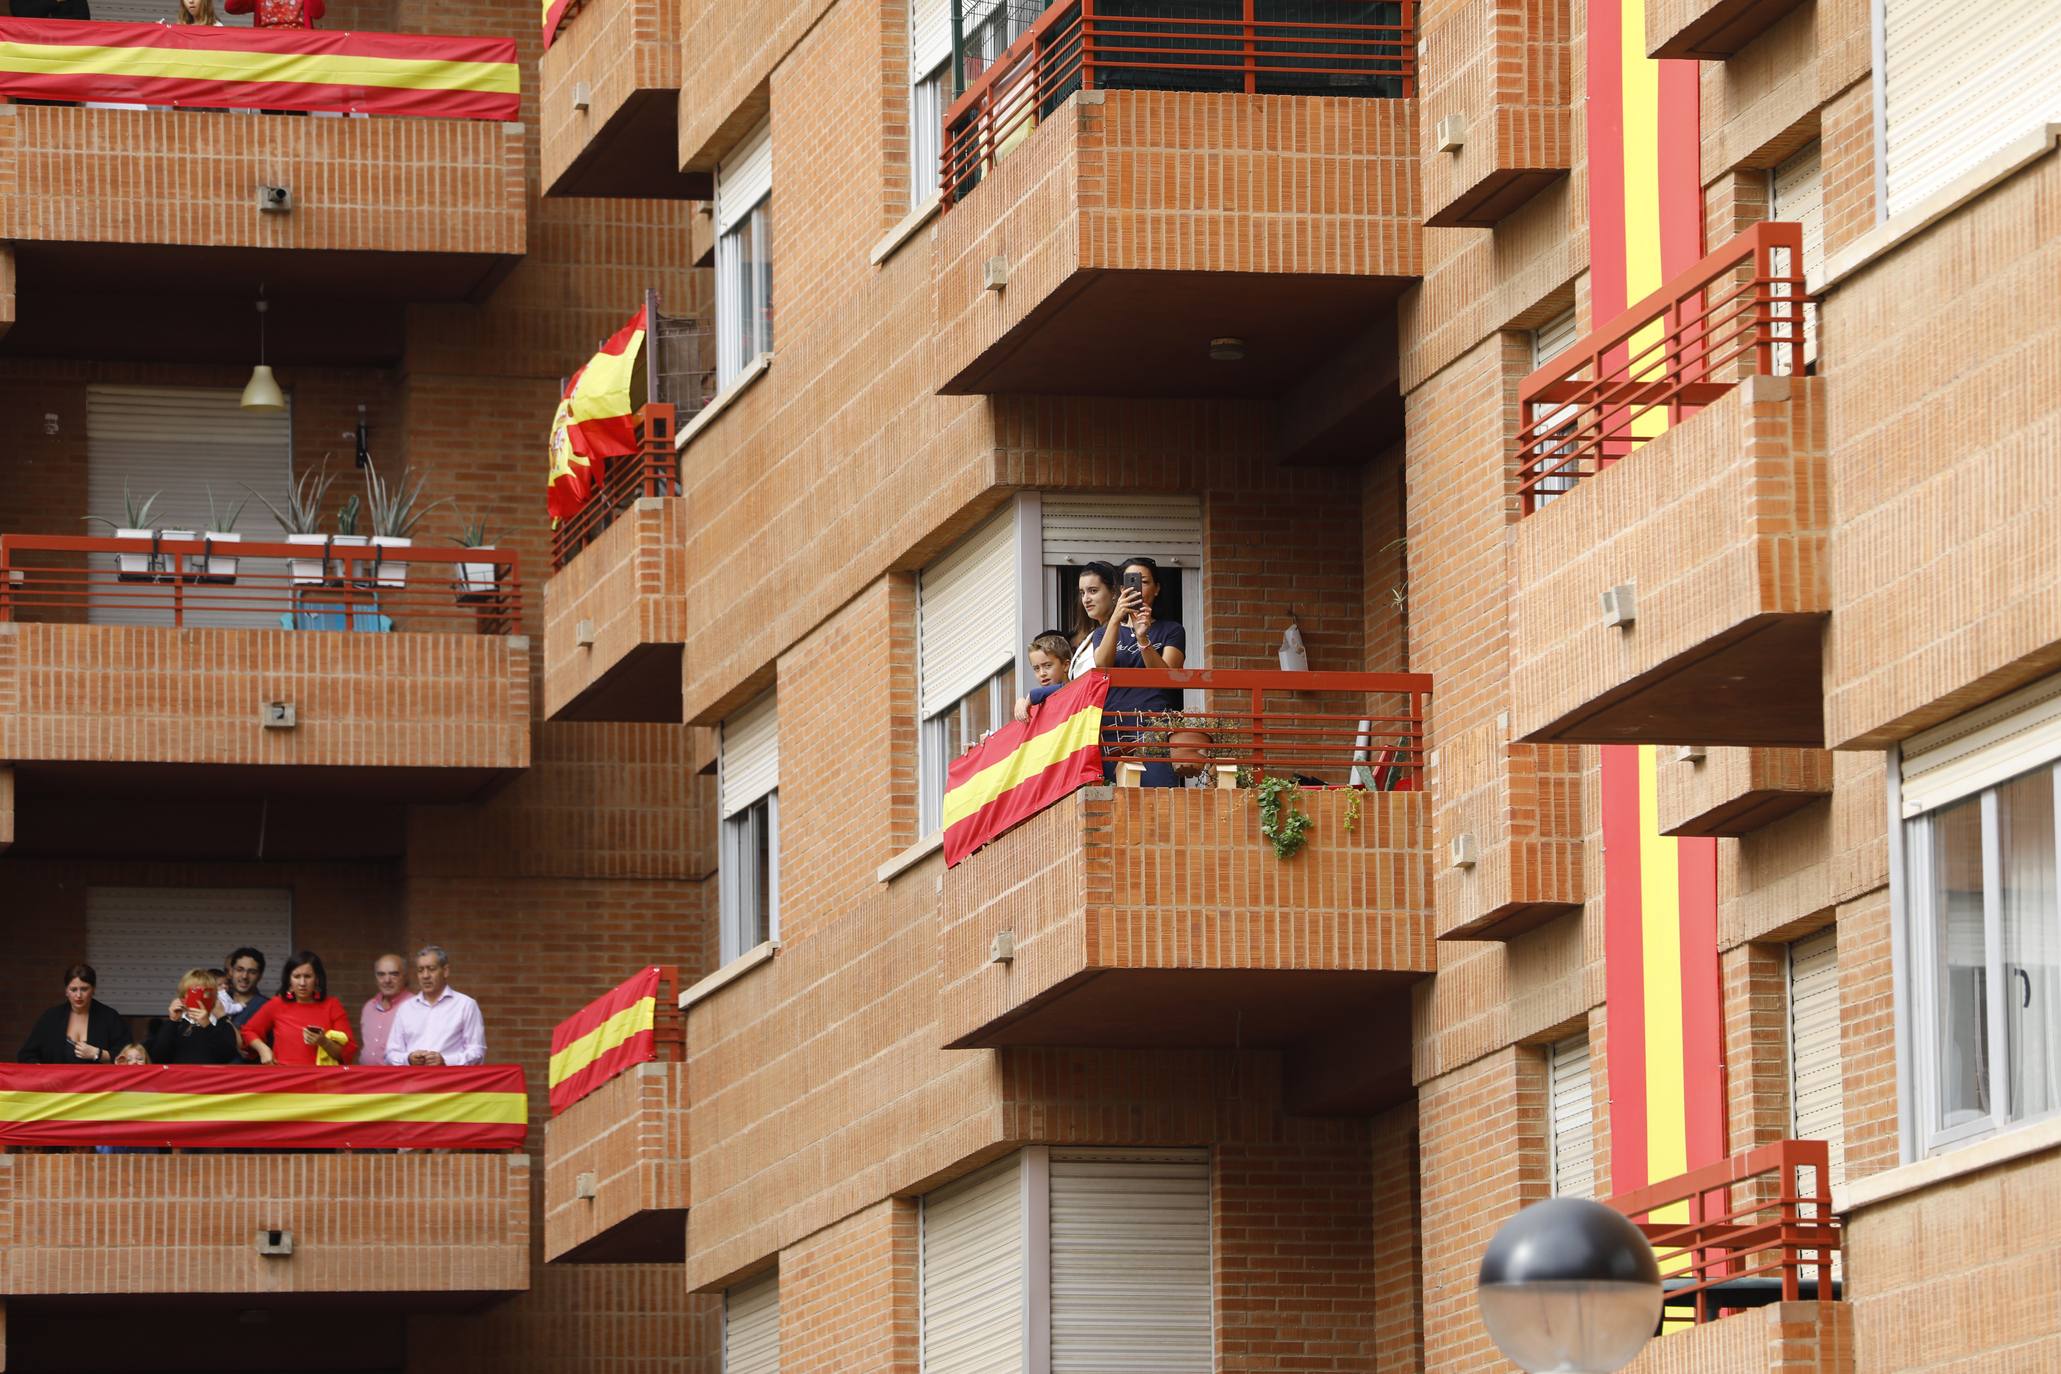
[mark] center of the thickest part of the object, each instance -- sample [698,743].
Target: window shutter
[179,441]
[973,1274]
[1982,748]
[966,614]
[1958,82]
[1797,193]
[1574,1112]
[751,1327]
[1082,528]
[750,754]
[930,36]
[1131,1262]
[141,939]
[744,178]
[1553,338]
[1548,342]
[1814,1075]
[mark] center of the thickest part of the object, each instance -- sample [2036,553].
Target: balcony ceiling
[1191,1008]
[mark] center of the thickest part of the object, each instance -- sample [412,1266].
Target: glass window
[744,292]
[751,877]
[926,131]
[957,728]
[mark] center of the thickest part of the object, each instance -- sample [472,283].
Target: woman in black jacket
[196,1032]
[77,1030]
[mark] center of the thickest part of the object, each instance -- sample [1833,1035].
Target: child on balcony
[304,1025]
[1049,653]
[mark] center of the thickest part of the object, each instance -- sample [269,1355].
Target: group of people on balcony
[265,14]
[219,1016]
[1114,627]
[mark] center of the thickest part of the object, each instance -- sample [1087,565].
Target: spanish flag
[603,1038]
[1024,767]
[484,1107]
[554,15]
[595,420]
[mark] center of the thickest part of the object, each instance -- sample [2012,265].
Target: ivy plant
[1283,822]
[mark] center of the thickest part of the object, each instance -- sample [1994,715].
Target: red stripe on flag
[640,1048]
[228,1079]
[1624,969]
[1034,793]
[638,987]
[263,95]
[1703,1049]
[270,1135]
[553,17]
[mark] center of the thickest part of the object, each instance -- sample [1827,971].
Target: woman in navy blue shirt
[1133,639]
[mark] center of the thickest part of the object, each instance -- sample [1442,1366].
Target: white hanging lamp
[262,391]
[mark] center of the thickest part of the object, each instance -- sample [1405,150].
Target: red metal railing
[1268,47]
[1364,729]
[1739,311]
[258,584]
[1732,1244]
[653,470]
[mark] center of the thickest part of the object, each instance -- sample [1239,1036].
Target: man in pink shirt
[376,1022]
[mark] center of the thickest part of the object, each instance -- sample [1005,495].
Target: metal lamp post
[1570,1286]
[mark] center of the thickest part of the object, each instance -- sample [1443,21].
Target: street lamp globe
[1570,1286]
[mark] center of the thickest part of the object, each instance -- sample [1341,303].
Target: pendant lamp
[262,391]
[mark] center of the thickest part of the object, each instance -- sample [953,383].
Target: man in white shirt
[439,1024]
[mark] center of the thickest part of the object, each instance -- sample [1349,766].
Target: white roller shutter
[1080,528]
[930,36]
[1548,342]
[1958,82]
[1814,1077]
[751,1326]
[750,756]
[966,615]
[1130,1263]
[140,940]
[1569,1093]
[973,1274]
[1553,338]
[744,178]
[1797,193]
[1982,748]
[177,442]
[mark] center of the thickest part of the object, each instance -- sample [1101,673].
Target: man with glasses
[240,998]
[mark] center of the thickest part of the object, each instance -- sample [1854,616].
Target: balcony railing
[1759,1228]
[653,470]
[1738,312]
[1265,47]
[338,72]
[1335,729]
[190,580]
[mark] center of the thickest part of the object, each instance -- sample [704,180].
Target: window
[968,628]
[1070,1261]
[1977,895]
[930,58]
[1572,1141]
[1548,342]
[1796,192]
[991,26]
[140,940]
[749,860]
[1957,83]
[751,1326]
[1814,1077]
[744,254]
[1077,528]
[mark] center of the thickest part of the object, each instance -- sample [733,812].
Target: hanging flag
[603,1038]
[571,480]
[1024,767]
[554,15]
[595,420]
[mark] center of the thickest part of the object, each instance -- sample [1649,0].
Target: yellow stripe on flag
[638,1016]
[510,1109]
[332,69]
[603,390]
[1082,728]
[1660,912]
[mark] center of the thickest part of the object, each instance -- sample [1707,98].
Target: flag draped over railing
[268,69]
[595,420]
[604,1038]
[243,1106]
[1024,767]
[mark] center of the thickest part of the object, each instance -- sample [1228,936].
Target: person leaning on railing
[78,1030]
[1133,639]
[303,1026]
[196,1031]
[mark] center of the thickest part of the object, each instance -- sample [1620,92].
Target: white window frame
[1547,343]
[749,802]
[1984,752]
[744,221]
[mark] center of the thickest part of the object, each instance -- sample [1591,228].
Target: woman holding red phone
[195,1031]
[304,1025]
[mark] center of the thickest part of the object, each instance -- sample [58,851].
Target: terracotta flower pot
[1188,750]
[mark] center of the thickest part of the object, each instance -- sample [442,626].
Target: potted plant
[1186,740]
[477,581]
[347,536]
[135,524]
[211,567]
[300,519]
[396,509]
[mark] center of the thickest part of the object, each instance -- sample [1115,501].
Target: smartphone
[197,999]
[1135,581]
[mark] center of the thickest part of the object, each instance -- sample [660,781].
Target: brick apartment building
[1721,635]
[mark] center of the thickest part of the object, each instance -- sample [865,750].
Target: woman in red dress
[304,1025]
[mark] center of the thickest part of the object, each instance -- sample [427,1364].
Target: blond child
[1050,654]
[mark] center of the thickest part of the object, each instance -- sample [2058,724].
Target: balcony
[1142,916]
[1671,572]
[1497,112]
[180,666]
[608,102]
[1124,191]
[1733,792]
[384,211]
[615,609]
[1711,30]
[1508,844]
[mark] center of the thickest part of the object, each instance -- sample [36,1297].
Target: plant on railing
[222,519]
[305,495]
[1283,822]
[135,514]
[397,506]
[1187,739]
[476,580]
[347,518]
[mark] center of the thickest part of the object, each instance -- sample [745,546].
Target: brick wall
[1502,67]
[848,1294]
[631,1134]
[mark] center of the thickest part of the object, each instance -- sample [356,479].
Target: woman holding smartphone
[195,1031]
[1133,639]
[78,1030]
[304,1025]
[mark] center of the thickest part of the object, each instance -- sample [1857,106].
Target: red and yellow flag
[1024,767]
[554,15]
[603,1038]
[366,1107]
[271,69]
[595,420]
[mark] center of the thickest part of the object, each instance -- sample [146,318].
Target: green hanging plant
[1283,822]
[1351,819]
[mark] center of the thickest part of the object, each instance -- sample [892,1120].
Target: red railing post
[1259,743]
[1249,32]
[1087,45]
